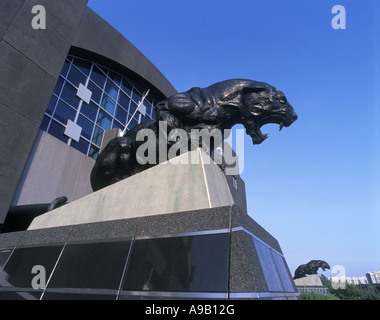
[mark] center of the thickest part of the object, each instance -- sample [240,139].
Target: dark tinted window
[58,86]
[4,255]
[76,77]
[18,270]
[126,86]
[87,126]
[90,110]
[98,77]
[65,68]
[91,265]
[196,263]
[111,89]
[108,104]
[82,65]
[56,130]
[104,120]
[121,115]
[69,95]
[51,106]
[20,295]
[45,123]
[63,112]
[98,136]
[96,91]
[124,100]
[77,296]
[81,145]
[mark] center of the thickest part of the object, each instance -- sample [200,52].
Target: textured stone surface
[312,280]
[245,272]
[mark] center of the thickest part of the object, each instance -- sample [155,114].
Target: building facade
[62,87]
[373,277]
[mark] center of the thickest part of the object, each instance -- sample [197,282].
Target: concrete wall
[30,63]
[54,169]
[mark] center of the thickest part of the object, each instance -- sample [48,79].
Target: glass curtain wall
[113,104]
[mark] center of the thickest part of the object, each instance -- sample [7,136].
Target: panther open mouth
[283,120]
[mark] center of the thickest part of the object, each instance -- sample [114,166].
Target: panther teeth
[281,126]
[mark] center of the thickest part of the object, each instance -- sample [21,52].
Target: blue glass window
[45,123]
[58,86]
[98,136]
[96,91]
[115,77]
[104,120]
[111,99]
[93,152]
[136,96]
[56,130]
[108,104]
[133,123]
[81,146]
[124,101]
[51,106]
[63,112]
[126,86]
[76,77]
[87,126]
[116,124]
[98,77]
[82,65]
[69,95]
[132,108]
[111,89]
[90,110]
[65,68]
[121,115]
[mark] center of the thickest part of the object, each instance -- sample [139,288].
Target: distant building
[310,284]
[349,280]
[373,277]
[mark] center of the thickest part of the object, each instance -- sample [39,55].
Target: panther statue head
[263,104]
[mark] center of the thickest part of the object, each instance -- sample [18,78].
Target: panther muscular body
[310,268]
[219,106]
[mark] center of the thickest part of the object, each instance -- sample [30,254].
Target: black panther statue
[310,268]
[219,106]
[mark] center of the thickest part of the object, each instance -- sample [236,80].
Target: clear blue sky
[315,185]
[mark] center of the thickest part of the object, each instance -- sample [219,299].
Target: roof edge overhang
[97,40]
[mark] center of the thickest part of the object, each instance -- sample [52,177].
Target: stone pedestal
[311,283]
[171,232]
